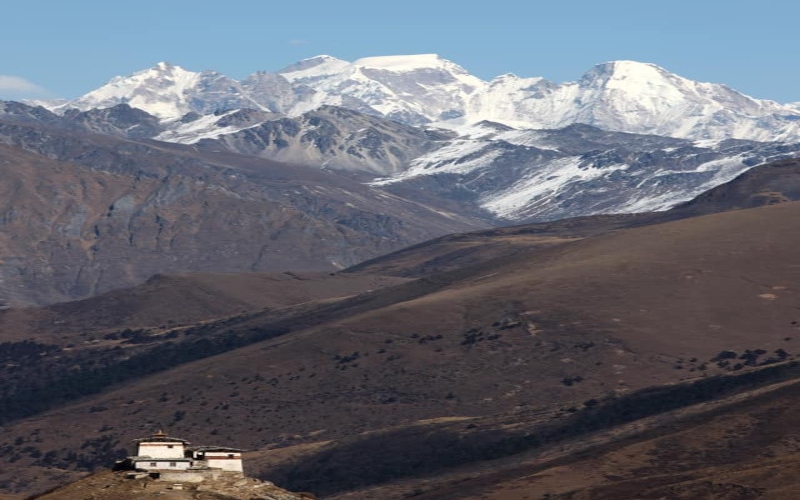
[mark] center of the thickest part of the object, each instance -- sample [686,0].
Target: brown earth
[740,447]
[534,337]
[167,302]
[115,486]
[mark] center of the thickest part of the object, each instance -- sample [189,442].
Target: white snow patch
[402,63]
[204,127]
[448,159]
[538,188]
[726,170]
[706,143]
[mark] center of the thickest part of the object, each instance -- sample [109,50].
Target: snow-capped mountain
[639,98]
[537,175]
[410,89]
[169,92]
[624,96]
[626,137]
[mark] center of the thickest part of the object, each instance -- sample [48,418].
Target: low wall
[189,476]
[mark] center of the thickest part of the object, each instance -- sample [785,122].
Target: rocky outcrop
[117,486]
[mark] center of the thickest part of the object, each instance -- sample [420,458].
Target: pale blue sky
[55,48]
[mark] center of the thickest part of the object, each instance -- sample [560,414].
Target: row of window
[175,464]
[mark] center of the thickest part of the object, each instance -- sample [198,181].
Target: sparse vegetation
[386,456]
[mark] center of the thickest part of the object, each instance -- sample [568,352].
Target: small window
[230,455]
[170,446]
[173,464]
[153,464]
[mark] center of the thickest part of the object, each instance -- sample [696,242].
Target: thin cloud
[298,41]
[17,85]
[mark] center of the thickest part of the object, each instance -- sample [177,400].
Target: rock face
[537,175]
[82,214]
[334,138]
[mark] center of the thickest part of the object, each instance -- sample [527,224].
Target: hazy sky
[55,48]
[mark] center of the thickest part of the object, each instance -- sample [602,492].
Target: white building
[161,452]
[220,457]
[161,455]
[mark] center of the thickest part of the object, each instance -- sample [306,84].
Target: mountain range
[391,279]
[326,163]
[624,96]
[515,149]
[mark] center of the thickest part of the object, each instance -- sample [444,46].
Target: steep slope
[413,89]
[87,213]
[166,91]
[331,138]
[625,96]
[776,182]
[635,97]
[488,171]
[505,174]
[536,175]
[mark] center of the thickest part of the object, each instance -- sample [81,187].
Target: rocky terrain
[84,213]
[115,486]
[624,96]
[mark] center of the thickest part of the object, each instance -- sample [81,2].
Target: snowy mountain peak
[313,68]
[310,62]
[505,77]
[628,75]
[164,66]
[164,90]
[161,69]
[420,89]
[405,63]
[624,66]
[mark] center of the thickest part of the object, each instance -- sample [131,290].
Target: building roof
[145,458]
[161,437]
[216,448]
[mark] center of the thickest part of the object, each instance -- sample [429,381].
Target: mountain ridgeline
[327,163]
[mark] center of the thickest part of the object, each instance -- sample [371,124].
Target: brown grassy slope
[169,301]
[741,448]
[610,313]
[456,251]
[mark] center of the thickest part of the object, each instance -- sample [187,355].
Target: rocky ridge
[85,213]
[115,486]
[625,96]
